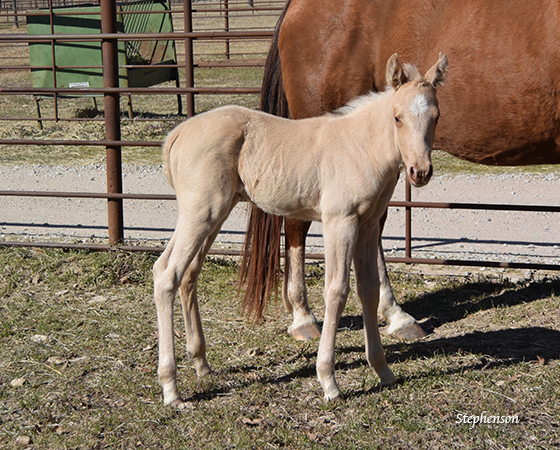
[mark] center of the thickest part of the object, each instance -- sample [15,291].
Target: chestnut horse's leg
[368,288]
[401,324]
[340,240]
[294,291]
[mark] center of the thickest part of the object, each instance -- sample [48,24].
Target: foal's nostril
[420,177]
[430,172]
[413,174]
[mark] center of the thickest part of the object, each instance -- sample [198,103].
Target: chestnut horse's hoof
[411,332]
[305,332]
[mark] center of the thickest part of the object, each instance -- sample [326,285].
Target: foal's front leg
[367,285]
[340,238]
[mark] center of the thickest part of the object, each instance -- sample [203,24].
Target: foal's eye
[397,120]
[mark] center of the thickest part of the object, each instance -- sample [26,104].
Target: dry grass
[79,333]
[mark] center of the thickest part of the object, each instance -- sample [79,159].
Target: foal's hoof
[411,332]
[388,382]
[202,370]
[339,399]
[181,405]
[332,395]
[305,332]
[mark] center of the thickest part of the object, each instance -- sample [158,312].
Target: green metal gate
[79,64]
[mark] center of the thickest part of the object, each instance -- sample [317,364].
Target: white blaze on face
[419,105]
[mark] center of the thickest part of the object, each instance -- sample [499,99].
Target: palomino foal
[295,168]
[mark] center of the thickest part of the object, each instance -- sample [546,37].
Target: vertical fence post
[189,58]
[226,25]
[109,48]
[16,18]
[408,221]
[53,55]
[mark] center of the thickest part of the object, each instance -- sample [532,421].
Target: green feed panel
[76,61]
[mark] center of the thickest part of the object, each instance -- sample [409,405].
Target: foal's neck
[372,128]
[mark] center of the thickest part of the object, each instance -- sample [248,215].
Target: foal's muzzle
[419,177]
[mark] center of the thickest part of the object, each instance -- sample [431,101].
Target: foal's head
[416,112]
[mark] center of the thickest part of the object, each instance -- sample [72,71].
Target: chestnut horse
[501,105]
[339,169]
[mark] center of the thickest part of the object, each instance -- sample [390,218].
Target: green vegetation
[78,364]
[445,164]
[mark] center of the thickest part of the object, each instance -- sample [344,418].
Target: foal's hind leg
[168,271]
[193,229]
[196,344]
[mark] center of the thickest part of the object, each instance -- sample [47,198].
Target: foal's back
[277,163]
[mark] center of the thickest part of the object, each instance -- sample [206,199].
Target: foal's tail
[166,152]
[260,266]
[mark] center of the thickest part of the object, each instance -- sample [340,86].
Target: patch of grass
[446,164]
[78,333]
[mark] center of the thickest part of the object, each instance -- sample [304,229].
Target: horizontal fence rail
[475,206]
[316,256]
[204,37]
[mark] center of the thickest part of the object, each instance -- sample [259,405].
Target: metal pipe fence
[206,37]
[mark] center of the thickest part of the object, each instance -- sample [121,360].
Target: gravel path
[490,235]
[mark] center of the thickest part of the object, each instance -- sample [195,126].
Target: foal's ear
[438,73]
[394,73]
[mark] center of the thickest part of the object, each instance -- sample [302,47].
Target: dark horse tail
[260,265]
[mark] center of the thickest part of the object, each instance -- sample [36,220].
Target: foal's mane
[360,102]
[363,101]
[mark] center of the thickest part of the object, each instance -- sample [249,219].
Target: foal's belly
[289,196]
[314,208]
[285,203]
[304,192]
[304,214]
